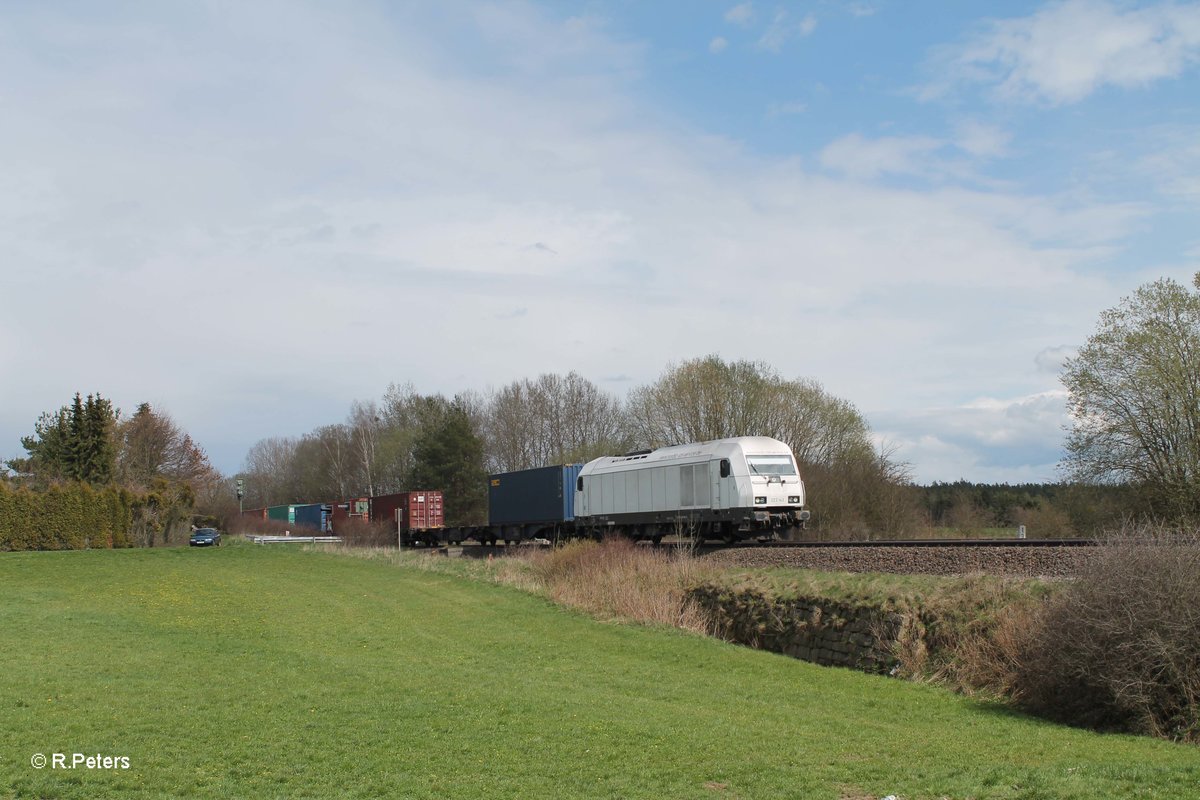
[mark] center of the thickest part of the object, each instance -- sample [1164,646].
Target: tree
[1134,396]
[366,426]
[75,443]
[448,455]
[707,398]
[555,419]
[152,445]
[854,489]
[268,472]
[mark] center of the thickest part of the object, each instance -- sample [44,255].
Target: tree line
[407,440]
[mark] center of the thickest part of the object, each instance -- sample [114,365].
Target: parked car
[205,537]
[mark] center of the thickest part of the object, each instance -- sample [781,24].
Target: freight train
[413,515]
[729,489]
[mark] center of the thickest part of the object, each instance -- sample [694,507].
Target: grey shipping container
[543,494]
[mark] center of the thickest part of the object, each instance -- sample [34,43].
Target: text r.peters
[59,761]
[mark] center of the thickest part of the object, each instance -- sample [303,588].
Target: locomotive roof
[698,451]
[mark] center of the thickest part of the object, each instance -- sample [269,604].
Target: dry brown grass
[970,635]
[621,580]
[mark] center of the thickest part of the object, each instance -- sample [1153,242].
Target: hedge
[67,516]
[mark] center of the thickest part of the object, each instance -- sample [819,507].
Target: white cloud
[863,158]
[1068,50]
[741,14]
[1053,359]
[979,139]
[987,439]
[718,44]
[783,28]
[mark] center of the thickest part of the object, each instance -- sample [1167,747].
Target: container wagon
[418,516]
[356,508]
[281,514]
[312,515]
[534,503]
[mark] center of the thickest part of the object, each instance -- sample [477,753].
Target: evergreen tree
[448,455]
[74,443]
[97,445]
[73,465]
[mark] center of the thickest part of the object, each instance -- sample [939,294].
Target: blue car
[205,537]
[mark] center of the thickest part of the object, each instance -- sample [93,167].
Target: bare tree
[151,445]
[365,425]
[707,398]
[855,490]
[555,419]
[269,472]
[336,443]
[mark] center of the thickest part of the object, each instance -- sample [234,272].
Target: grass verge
[256,672]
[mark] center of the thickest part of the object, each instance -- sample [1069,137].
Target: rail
[934,543]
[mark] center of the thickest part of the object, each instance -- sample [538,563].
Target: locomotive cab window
[579,484]
[724,467]
[771,465]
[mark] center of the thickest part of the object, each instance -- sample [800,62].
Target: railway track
[713,547]
[934,543]
[1014,557]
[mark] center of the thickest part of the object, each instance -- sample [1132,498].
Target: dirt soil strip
[1027,562]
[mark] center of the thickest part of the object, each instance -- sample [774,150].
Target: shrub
[618,578]
[1119,648]
[66,516]
[360,533]
[1044,521]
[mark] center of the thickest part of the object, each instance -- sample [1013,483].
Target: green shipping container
[280,513]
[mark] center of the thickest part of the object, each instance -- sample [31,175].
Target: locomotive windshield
[771,465]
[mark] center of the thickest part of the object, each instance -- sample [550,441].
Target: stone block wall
[812,629]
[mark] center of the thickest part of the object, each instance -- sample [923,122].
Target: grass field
[254,672]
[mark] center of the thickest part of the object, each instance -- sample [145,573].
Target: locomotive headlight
[760,501]
[794,499]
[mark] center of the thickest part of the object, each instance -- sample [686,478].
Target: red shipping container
[409,511]
[354,508]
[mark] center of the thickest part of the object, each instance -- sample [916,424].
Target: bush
[620,579]
[1044,521]
[1119,648]
[360,533]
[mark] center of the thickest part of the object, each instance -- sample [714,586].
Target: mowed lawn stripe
[254,672]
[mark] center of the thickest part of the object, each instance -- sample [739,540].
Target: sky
[251,215]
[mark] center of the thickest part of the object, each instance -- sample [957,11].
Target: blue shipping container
[543,494]
[312,515]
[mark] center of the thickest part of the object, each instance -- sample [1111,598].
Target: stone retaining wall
[812,629]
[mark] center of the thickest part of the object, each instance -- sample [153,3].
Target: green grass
[256,672]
